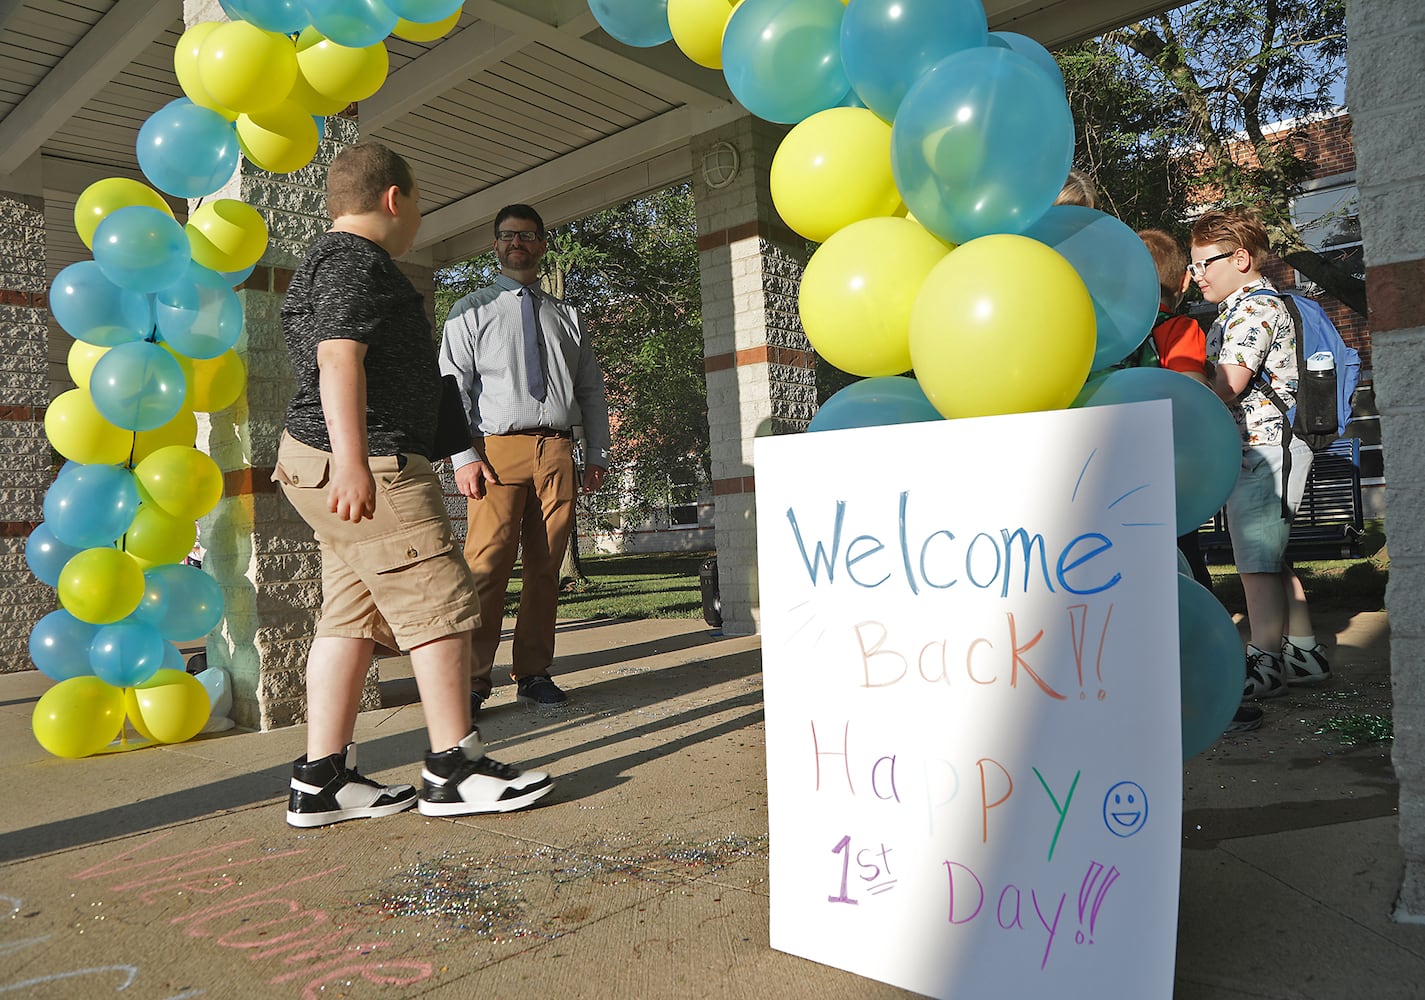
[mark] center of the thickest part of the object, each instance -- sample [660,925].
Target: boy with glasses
[1253,341]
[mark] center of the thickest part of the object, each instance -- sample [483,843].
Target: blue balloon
[875,402]
[1117,269]
[356,24]
[431,11]
[285,17]
[1027,46]
[181,601]
[640,23]
[46,555]
[141,248]
[1207,447]
[59,645]
[782,58]
[981,144]
[187,150]
[90,307]
[138,386]
[851,99]
[91,505]
[1212,665]
[886,45]
[235,278]
[126,653]
[172,657]
[199,316]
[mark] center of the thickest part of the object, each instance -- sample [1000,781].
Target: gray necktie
[534,365]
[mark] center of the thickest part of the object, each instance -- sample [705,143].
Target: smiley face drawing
[1125,809]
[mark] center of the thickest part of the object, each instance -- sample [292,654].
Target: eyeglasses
[1199,267]
[523,235]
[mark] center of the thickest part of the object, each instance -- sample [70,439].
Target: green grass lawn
[657,585]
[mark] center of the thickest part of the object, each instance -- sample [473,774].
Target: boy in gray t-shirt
[354,462]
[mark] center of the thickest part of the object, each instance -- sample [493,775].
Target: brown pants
[530,512]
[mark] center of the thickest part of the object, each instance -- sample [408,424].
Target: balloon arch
[924,159]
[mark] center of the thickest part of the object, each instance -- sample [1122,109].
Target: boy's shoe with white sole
[1304,666]
[1264,675]
[462,781]
[331,790]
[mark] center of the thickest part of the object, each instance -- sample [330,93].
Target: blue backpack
[1323,399]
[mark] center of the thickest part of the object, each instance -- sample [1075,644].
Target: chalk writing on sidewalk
[292,943]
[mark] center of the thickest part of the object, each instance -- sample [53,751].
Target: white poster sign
[969,639]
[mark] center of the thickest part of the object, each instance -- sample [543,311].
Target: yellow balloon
[698,26]
[81,361]
[78,717]
[279,140]
[216,383]
[184,482]
[181,430]
[185,363]
[108,195]
[304,96]
[339,73]
[413,31]
[1002,325]
[245,68]
[185,67]
[170,707]
[155,537]
[100,585]
[77,431]
[858,289]
[226,235]
[833,169]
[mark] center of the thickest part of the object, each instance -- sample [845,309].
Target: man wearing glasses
[528,376]
[1253,343]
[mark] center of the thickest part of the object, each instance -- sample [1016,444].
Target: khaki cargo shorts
[398,578]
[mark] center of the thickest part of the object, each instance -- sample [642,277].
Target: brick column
[1387,49]
[760,373]
[24,450]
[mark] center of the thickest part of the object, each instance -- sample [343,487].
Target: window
[683,505]
[1327,216]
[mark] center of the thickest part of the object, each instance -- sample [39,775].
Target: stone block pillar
[1387,49]
[24,451]
[258,549]
[760,368]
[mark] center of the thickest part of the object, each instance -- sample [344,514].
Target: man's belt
[557,432]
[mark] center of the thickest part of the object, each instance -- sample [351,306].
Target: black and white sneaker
[1304,666]
[1246,719]
[540,692]
[462,781]
[331,790]
[1264,676]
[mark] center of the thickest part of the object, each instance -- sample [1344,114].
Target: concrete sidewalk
[168,872]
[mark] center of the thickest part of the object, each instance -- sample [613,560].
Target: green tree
[1168,106]
[632,271]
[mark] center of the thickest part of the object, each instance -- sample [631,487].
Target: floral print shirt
[1257,333]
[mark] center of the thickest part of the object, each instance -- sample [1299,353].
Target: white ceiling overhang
[525,100]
